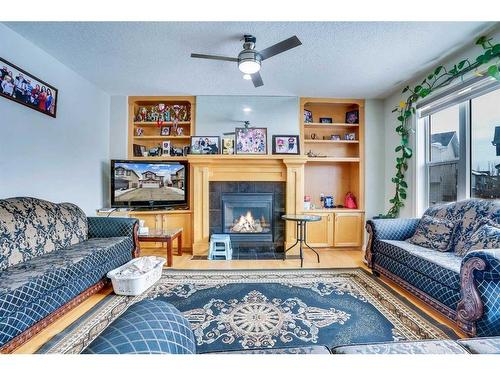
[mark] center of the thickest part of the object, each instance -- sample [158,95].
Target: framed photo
[22,87]
[286,144]
[165,145]
[179,131]
[205,145]
[350,136]
[352,117]
[165,131]
[308,116]
[251,141]
[325,120]
[228,145]
[335,137]
[139,132]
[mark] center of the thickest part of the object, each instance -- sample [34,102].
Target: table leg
[305,241]
[295,244]
[169,253]
[300,246]
[179,244]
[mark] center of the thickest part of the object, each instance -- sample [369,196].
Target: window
[462,141]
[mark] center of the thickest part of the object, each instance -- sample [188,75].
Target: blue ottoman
[148,327]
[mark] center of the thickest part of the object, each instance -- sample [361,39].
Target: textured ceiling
[337,59]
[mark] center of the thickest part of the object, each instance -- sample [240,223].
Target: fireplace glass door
[248,217]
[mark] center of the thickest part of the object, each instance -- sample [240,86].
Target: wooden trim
[470,307]
[136,252]
[20,339]
[369,252]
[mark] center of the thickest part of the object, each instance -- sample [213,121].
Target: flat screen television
[152,184]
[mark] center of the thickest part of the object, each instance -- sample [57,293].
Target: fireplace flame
[247,224]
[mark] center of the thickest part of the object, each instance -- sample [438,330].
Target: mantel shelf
[329,141]
[164,123]
[332,159]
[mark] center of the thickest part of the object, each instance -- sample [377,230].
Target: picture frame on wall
[24,88]
[251,141]
[286,145]
[205,145]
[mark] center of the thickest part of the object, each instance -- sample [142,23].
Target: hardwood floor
[329,259]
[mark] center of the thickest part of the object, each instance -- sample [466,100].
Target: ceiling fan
[249,60]
[246,126]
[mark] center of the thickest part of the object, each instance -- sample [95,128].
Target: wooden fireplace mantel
[206,168]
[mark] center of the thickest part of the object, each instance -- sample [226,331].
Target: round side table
[301,221]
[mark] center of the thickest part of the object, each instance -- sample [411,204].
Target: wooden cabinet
[320,233]
[347,229]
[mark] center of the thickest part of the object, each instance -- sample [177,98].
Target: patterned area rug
[270,309]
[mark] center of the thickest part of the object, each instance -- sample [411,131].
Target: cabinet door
[348,229]
[182,220]
[320,233]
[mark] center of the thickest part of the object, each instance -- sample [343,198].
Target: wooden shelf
[159,158]
[149,137]
[332,159]
[327,125]
[329,141]
[164,123]
[320,210]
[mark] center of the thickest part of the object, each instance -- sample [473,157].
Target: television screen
[148,184]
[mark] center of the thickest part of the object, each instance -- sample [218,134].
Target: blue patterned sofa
[52,257]
[460,281]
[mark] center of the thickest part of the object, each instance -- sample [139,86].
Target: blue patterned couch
[51,258]
[462,283]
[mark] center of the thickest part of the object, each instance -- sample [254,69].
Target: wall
[392,140]
[62,159]
[218,114]
[118,122]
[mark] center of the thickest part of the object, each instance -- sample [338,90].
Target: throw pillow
[433,233]
[485,237]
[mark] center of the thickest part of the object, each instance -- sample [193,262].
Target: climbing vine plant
[439,78]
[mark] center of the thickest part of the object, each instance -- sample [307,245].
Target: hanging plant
[439,78]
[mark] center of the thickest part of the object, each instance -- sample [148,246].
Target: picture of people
[204,145]
[20,86]
[165,131]
[352,117]
[251,141]
[165,147]
[228,145]
[286,144]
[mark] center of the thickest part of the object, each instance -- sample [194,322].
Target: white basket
[136,276]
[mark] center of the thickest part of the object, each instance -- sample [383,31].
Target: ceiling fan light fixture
[247,77]
[249,66]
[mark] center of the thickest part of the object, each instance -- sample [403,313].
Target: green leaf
[417,89]
[401,118]
[481,40]
[496,49]
[395,109]
[407,152]
[493,71]
[461,64]
[407,113]
[403,184]
[406,89]
[480,59]
[395,180]
[424,93]
[438,70]
[403,195]
[399,148]
[430,76]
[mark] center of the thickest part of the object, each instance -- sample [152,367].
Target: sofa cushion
[441,267]
[433,233]
[485,237]
[483,345]
[31,290]
[31,227]
[403,347]
[469,215]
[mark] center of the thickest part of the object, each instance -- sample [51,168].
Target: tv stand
[175,208]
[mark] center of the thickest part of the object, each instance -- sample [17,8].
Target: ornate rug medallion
[269,309]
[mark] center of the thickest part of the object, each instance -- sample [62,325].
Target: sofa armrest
[102,227]
[479,284]
[388,229]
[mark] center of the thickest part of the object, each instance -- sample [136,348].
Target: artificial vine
[439,78]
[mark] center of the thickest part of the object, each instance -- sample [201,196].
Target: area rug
[234,310]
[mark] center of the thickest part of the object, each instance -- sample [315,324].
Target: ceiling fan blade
[280,47]
[257,80]
[214,57]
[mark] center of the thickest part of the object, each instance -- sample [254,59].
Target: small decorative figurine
[179,130]
[139,132]
[143,114]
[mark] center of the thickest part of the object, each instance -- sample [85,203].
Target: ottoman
[147,327]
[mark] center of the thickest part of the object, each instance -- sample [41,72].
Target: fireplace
[248,216]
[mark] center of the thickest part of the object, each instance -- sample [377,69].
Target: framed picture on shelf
[165,131]
[139,132]
[228,145]
[335,137]
[308,116]
[352,117]
[205,145]
[325,120]
[286,145]
[24,88]
[139,150]
[165,145]
[350,136]
[251,141]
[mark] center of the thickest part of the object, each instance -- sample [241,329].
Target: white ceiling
[336,59]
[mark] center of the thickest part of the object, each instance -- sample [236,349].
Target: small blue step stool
[220,246]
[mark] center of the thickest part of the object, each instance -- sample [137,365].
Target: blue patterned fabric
[313,349]
[393,229]
[483,345]
[486,237]
[102,227]
[31,290]
[406,347]
[433,233]
[148,327]
[443,268]
[31,227]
